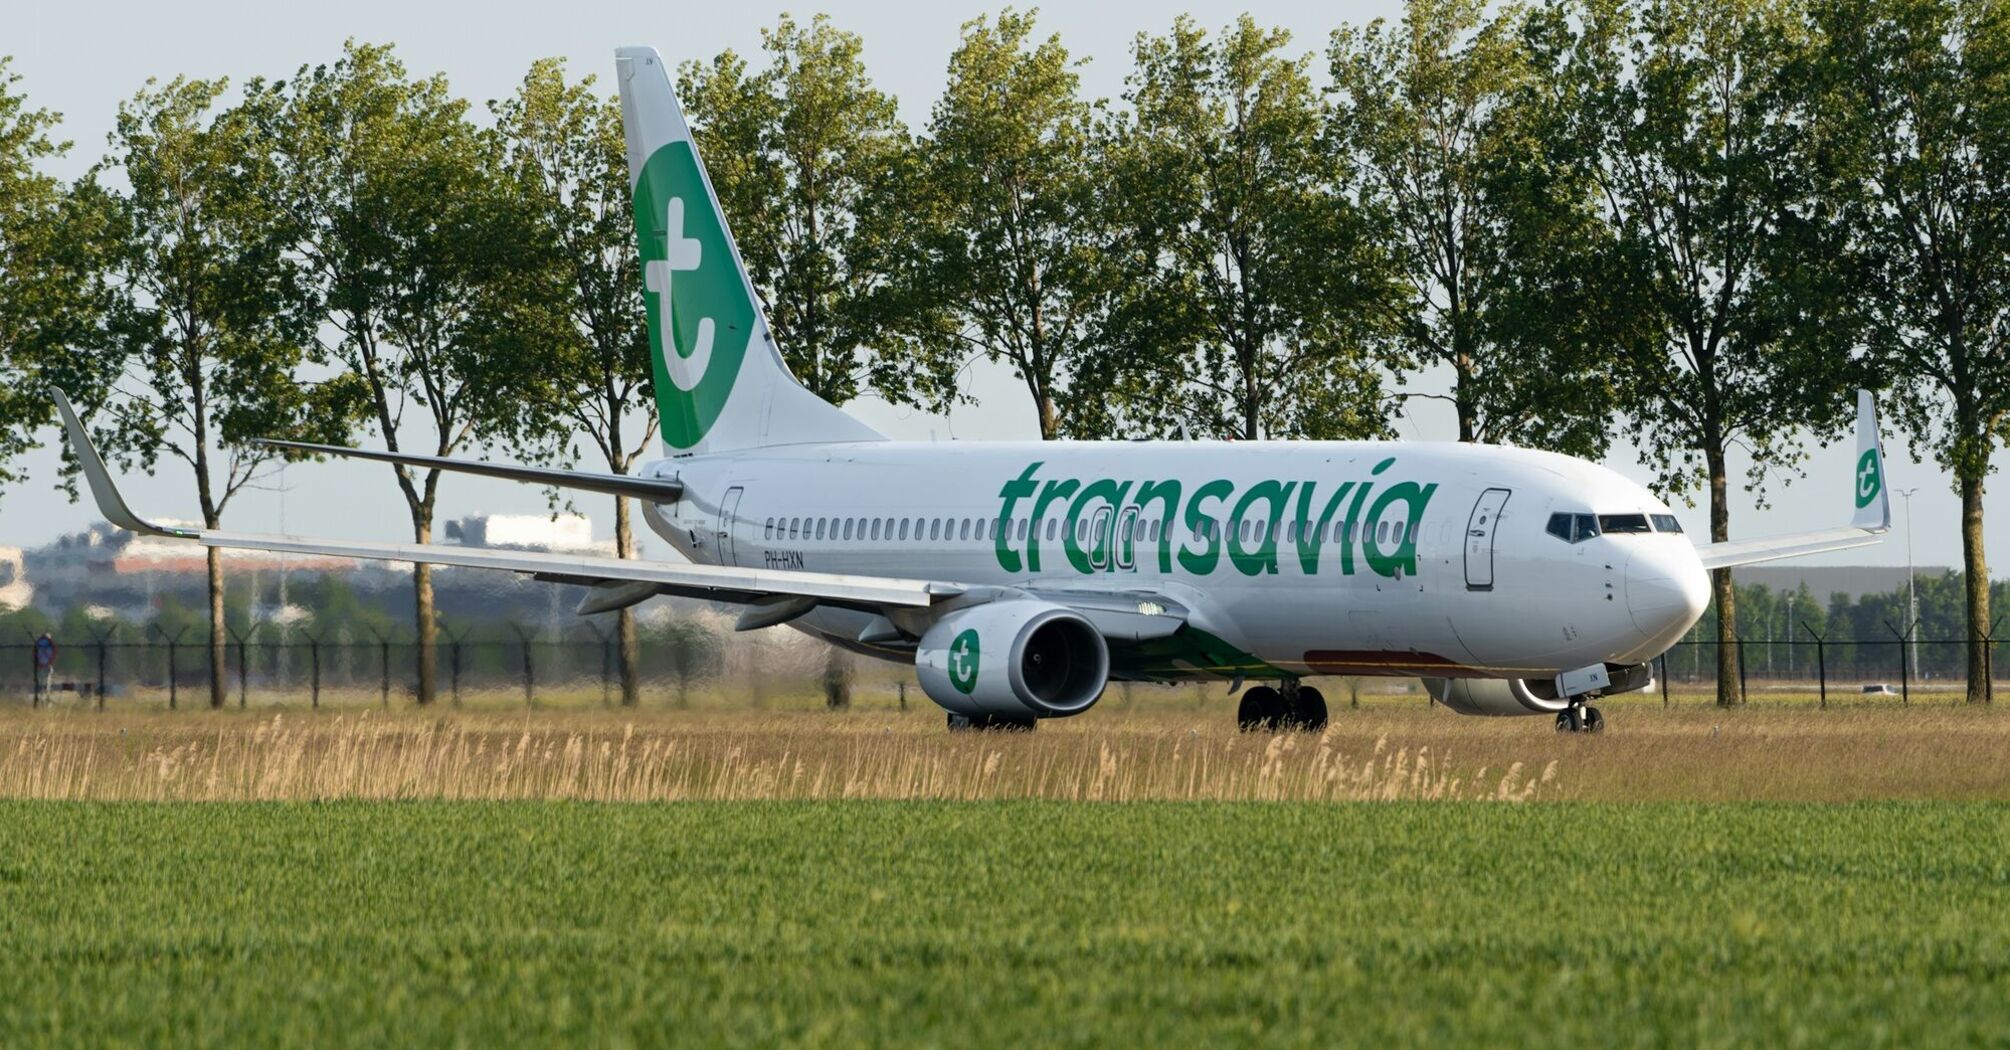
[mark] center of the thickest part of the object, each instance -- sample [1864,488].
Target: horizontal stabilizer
[657,490]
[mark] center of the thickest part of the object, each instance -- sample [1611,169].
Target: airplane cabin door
[729,509]
[1480,539]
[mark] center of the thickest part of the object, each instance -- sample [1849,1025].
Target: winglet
[110,503]
[1873,503]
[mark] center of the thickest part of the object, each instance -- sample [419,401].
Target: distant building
[564,533]
[15,591]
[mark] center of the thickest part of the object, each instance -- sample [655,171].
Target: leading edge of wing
[1751,552]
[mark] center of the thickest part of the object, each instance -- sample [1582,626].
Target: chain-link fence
[498,667]
[1902,667]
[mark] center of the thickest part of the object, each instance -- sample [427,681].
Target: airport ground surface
[1779,875]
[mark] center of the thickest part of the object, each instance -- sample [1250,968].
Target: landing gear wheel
[1580,718]
[1309,712]
[1000,723]
[1262,709]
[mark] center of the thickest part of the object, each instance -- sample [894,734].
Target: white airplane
[1020,578]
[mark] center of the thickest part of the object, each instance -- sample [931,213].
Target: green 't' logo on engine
[700,318]
[1868,483]
[963,662]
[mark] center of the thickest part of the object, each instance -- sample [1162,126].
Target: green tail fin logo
[1868,483]
[700,317]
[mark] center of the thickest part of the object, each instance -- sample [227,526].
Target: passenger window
[875,528]
[769,534]
[1381,533]
[1052,526]
[794,525]
[820,528]
[1396,534]
[963,532]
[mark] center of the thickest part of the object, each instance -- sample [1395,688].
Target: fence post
[384,666]
[903,694]
[1821,662]
[529,670]
[1904,668]
[103,638]
[173,643]
[34,672]
[1744,690]
[454,664]
[314,670]
[243,673]
[1988,662]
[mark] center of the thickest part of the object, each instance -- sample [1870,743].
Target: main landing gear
[1580,717]
[1266,709]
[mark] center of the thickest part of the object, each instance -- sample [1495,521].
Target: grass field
[1140,876]
[1004,924]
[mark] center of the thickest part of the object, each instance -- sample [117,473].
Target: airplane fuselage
[1289,558]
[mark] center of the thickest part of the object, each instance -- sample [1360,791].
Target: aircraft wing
[1872,518]
[714,582]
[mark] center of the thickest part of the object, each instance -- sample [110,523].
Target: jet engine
[1015,659]
[1525,696]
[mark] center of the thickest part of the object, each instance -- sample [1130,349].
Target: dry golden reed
[372,756]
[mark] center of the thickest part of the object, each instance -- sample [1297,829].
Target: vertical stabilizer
[720,381]
[1873,503]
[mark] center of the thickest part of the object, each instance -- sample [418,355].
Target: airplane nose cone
[1666,591]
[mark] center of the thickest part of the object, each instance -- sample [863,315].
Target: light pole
[1911,595]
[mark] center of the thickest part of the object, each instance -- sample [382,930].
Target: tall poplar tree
[53,295]
[563,146]
[1437,112]
[1246,283]
[1699,176]
[210,313]
[424,262]
[1011,198]
[1914,105]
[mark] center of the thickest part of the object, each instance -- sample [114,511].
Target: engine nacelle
[1496,696]
[1524,696]
[1015,658]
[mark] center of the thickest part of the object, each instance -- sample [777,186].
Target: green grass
[1004,924]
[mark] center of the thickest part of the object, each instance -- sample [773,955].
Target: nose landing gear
[1580,717]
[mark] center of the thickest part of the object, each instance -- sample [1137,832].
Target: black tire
[1563,722]
[1309,713]
[1262,710]
[1594,720]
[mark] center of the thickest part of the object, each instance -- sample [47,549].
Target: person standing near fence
[45,664]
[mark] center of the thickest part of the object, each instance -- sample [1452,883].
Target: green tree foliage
[1697,169]
[1445,115]
[814,170]
[1914,103]
[562,147]
[1247,283]
[52,294]
[423,256]
[1011,208]
[210,315]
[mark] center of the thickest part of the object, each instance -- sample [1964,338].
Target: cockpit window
[1666,523]
[1610,523]
[1573,528]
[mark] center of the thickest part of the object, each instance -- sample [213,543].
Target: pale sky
[82,59]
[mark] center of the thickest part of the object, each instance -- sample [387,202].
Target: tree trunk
[630,644]
[217,666]
[1975,577]
[424,620]
[837,679]
[1048,428]
[1729,692]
